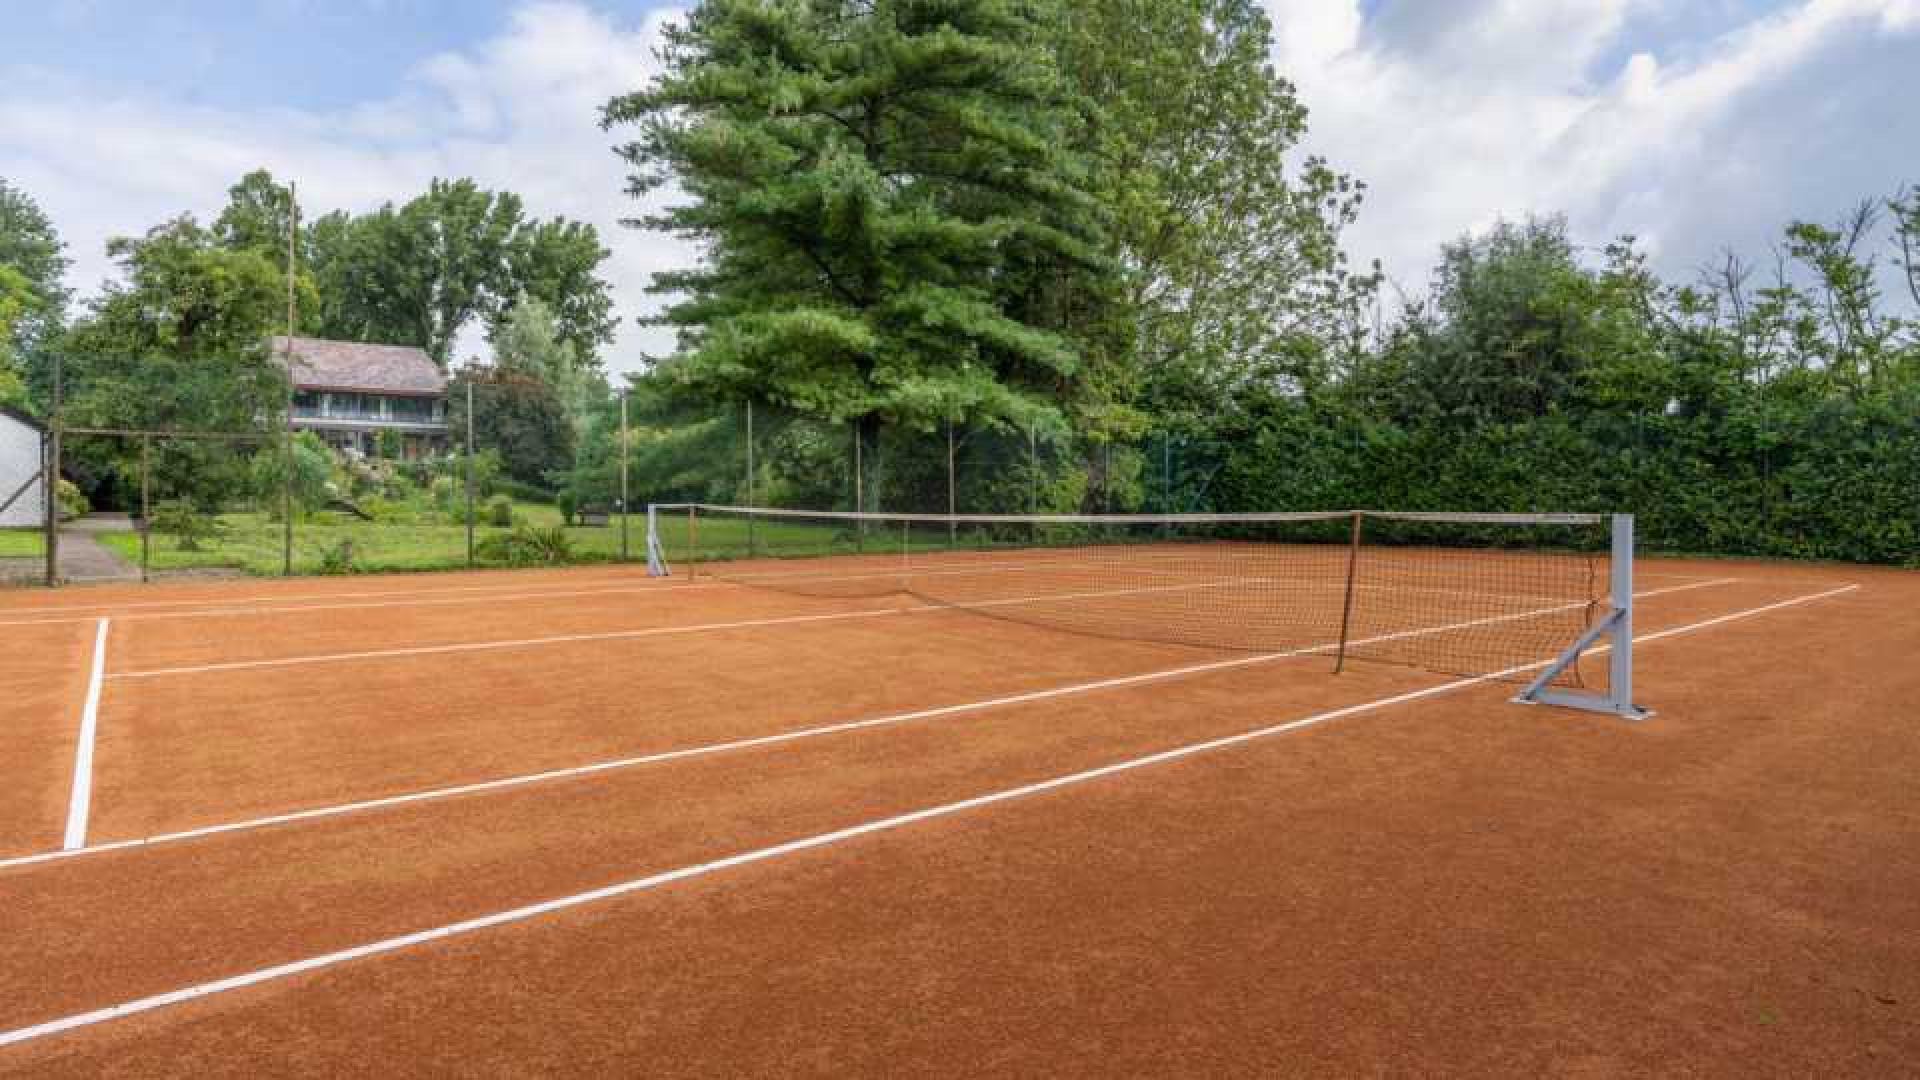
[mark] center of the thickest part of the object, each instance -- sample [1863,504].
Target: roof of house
[351,365]
[26,418]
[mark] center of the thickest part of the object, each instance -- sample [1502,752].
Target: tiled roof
[350,365]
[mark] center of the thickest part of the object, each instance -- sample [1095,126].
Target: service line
[819,840]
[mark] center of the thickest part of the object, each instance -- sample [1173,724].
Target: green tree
[31,250]
[894,218]
[528,342]
[257,215]
[180,343]
[517,415]
[1238,274]
[312,473]
[16,294]
[420,273]
[557,262]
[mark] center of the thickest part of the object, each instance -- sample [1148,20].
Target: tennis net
[1468,594]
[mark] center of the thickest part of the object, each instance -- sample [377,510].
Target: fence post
[953,527]
[50,494]
[623,476]
[469,471]
[146,505]
[751,501]
[286,454]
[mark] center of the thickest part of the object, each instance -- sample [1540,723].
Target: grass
[21,543]
[252,543]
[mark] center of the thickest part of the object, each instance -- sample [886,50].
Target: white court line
[624,586]
[791,847]
[80,805]
[522,780]
[267,598]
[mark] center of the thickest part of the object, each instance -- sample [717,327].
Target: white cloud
[517,112]
[1627,115]
[1692,125]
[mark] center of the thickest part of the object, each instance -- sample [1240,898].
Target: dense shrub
[527,546]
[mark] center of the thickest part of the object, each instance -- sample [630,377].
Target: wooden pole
[286,453]
[623,476]
[1346,608]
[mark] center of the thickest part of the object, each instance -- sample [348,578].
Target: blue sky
[304,54]
[1697,125]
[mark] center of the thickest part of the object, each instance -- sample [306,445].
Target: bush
[499,512]
[568,503]
[338,558]
[186,523]
[72,503]
[527,546]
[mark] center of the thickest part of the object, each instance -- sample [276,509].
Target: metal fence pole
[859,490]
[750,493]
[469,472]
[286,455]
[953,498]
[146,505]
[623,476]
[1033,479]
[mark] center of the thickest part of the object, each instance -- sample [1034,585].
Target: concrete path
[84,558]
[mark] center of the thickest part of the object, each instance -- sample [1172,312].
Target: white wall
[20,459]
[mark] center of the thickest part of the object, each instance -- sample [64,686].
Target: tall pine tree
[895,224]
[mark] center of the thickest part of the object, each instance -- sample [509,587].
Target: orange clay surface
[1449,885]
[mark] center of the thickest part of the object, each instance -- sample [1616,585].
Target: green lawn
[251,543]
[21,543]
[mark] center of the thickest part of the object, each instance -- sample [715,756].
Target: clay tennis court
[594,821]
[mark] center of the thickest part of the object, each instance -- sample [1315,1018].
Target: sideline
[80,805]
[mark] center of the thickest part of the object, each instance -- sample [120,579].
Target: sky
[1696,125]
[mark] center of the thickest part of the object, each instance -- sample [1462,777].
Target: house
[23,486]
[352,394]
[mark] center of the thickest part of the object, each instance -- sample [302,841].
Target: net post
[693,542]
[1620,658]
[656,560]
[953,527]
[1346,606]
[1616,627]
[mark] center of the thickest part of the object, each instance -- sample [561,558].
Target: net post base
[1625,710]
